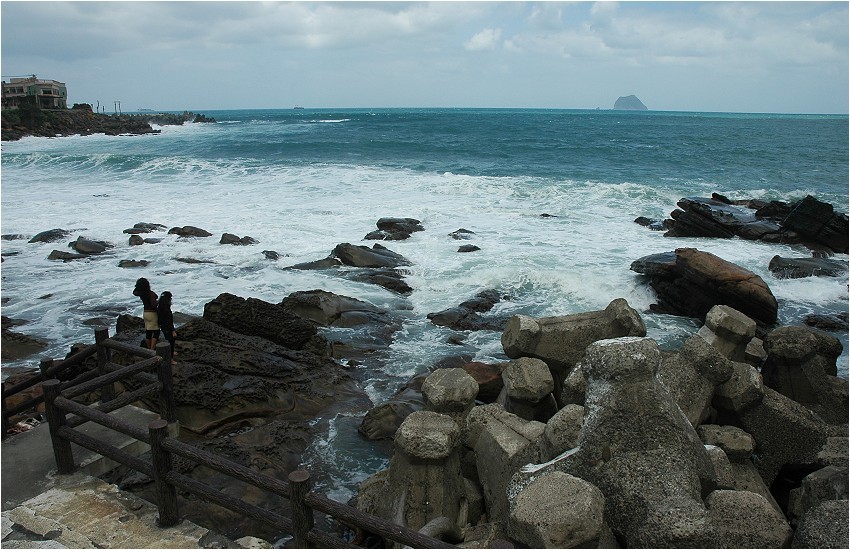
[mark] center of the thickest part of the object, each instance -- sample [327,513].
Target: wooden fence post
[302,514]
[56,419]
[166,393]
[161,459]
[3,403]
[101,334]
[44,365]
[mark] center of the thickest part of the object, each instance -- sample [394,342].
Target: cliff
[629,103]
[31,121]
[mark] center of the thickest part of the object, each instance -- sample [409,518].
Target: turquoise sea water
[302,181]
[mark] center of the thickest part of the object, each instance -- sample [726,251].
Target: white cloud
[487,39]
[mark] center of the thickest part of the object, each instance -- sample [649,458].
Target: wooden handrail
[298,489]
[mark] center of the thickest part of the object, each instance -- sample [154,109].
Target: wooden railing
[58,398]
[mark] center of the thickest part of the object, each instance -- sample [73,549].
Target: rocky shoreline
[589,435]
[81,120]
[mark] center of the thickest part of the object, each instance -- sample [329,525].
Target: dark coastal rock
[395,229]
[835,322]
[89,246]
[189,231]
[144,227]
[193,261]
[13,237]
[461,234]
[258,318]
[466,315]
[16,346]
[653,224]
[230,238]
[701,217]
[797,268]
[135,240]
[65,256]
[382,421]
[818,222]
[391,279]
[809,221]
[325,263]
[489,378]
[271,255]
[468,248]
[363,256]
[328,309]
[690,282]
[133,263]
[50,236]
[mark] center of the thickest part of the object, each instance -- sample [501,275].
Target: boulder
[136,240]
[786,433]
[797,268]
[503,443]
[395,229]
[828,483]
[466,315]
[489,379]
[461,234]
[561,341]
[189,231]
[450,392]
[711,217]
[563,431]
[691,282]
[383,420]
[50,236]
[65,256]
[741,519]
[801,364]
[824,526]
[88,246]
[363,256]
[557,510]
[836,322]
[133,263]
[631,426]
[272,322]
[528,389]
[145,227]
[230,238]
[692,375]
[468,248]
[728,330]
[818,222]
[327,308]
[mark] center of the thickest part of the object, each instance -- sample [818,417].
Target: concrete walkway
[42,509]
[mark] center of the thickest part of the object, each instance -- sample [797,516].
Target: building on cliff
[47,94]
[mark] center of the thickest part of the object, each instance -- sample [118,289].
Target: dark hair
[165,298]
[142,285]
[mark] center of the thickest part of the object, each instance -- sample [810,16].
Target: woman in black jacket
[148,297]
[166,321]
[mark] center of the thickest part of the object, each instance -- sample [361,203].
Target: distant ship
[145,110]
[298,107]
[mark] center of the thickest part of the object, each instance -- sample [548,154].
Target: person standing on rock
[149,300]
[166,322]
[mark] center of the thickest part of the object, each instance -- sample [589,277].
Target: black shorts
[151,334]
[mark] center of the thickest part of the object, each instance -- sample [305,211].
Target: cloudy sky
[788,57]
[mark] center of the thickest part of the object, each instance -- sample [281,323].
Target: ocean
[302,181]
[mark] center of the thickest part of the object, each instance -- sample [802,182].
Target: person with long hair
[166,321]
[149,301]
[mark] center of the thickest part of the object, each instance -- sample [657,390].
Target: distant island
[629,103]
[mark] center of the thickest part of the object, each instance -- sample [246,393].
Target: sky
[776,57]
